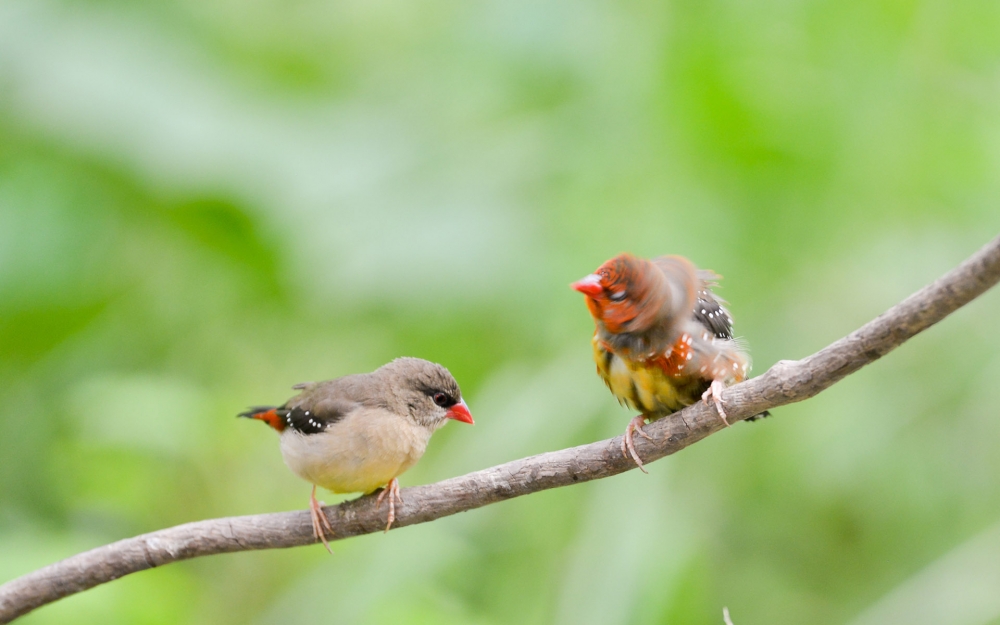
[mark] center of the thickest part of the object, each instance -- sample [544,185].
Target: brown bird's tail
[267,414]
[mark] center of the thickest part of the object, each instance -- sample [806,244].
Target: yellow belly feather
[644,387]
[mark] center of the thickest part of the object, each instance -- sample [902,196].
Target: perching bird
[663,338]
[359,432]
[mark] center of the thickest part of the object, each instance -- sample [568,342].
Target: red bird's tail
[267,414]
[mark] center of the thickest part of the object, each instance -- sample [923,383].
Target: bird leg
[635,425]
[392,488]
[714,393]
[321,524]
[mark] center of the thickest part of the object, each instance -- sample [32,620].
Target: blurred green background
[202,203]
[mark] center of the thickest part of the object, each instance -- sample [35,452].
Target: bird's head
[427,391]
[625,294]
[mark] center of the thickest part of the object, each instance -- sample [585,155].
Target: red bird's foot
[321,524]
[714,393]
[392,488]
[628,446]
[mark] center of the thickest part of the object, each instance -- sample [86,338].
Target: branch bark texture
[784,383]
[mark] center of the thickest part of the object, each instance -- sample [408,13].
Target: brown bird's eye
[617,296]
[441,399]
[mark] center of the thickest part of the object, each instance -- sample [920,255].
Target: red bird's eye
[617,296]
[441,399]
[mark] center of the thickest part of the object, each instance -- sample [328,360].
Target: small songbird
[663,338]
[357,433]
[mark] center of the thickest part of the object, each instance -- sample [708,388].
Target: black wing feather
[309,418]
[710,313]
[301,420]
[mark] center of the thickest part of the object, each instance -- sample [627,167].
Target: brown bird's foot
[714,393]
[392,488]
[321,524]
[635,425]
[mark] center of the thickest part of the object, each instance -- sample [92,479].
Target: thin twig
[784,383]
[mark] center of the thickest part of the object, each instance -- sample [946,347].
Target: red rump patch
[271,418]
[676,362]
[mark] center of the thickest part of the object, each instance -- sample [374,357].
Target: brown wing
[313,420]
[320,405]
[317,407]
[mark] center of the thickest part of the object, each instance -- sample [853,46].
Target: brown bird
[359,432]
[663,339]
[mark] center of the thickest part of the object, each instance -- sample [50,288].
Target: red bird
[663,338]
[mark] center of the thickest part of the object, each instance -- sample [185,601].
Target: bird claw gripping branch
[663,339]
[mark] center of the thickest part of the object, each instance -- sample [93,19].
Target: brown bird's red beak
[591,285]
[460,412]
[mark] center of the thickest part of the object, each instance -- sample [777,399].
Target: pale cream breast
[358,454]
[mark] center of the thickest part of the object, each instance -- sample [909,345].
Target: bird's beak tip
[460,412]
[590,285]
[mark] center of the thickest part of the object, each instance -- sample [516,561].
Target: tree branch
[784,383]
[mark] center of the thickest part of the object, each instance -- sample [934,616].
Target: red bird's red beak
[460,412]
[591,285]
